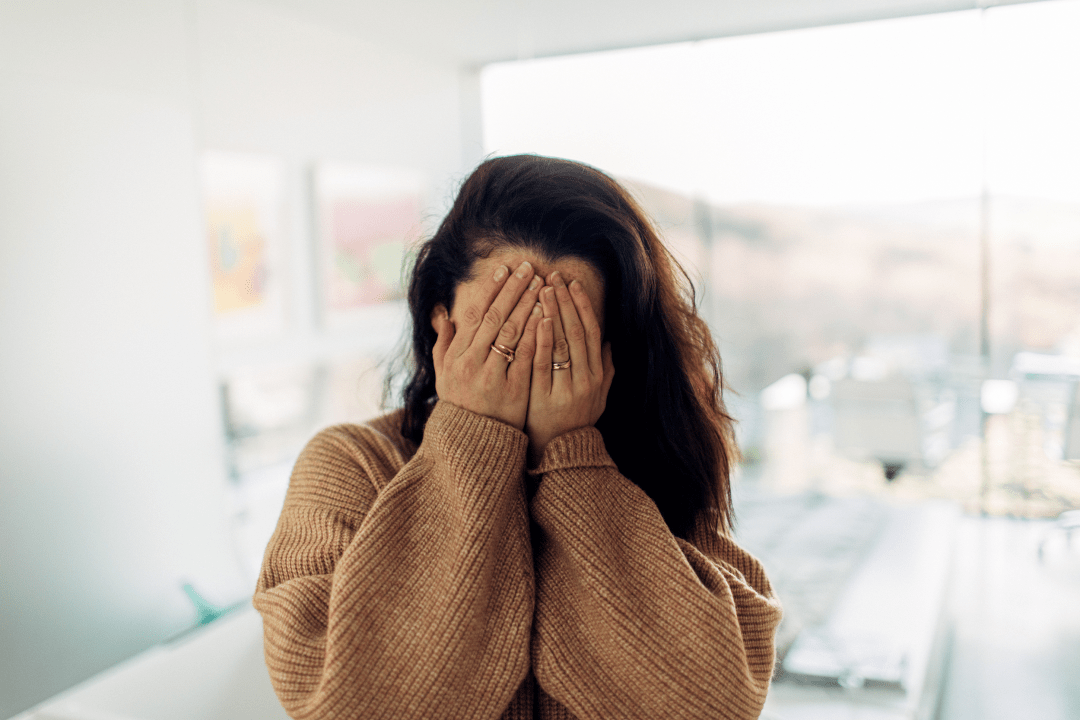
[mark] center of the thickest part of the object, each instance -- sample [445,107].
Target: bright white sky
[888,111]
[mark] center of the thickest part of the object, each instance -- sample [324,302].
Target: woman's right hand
[468,372]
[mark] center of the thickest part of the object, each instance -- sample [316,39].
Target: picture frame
[367,220]
[243,205]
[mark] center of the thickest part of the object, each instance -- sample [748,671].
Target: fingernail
[536,310]
[548,290]
[555,277]
[523,269]
[500,273]
[534,283]
[576,286]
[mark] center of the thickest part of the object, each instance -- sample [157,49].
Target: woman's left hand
[574,397]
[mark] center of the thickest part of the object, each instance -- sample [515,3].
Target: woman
[532,535]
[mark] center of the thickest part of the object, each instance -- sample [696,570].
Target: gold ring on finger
[564,365]
[506,352]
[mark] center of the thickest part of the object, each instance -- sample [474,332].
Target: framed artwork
[367,219]
[243,209]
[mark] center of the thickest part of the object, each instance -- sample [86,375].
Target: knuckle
[561,346]
[593,333]
[493,318]
[472,315]
[575,332]
[509,330]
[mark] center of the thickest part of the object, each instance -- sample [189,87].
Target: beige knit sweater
[404,582]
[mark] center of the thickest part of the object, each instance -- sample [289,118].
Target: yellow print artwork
[237,257]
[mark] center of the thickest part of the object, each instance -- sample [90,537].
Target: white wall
[112,481]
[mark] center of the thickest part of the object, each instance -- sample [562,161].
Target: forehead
[571,268]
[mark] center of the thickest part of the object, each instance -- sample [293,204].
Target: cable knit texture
[421,582]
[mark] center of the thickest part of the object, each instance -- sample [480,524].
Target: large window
[837,192]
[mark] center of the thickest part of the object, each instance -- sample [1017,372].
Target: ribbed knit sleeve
[632,622]
[395,589]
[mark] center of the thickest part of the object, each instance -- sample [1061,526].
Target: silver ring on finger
[565,365]
[507,353]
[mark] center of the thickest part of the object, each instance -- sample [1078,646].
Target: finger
[473,316]
[514,328]
[591,325]
[560,351]
[445,330]
[572,328]
[498,312]
[541,375]
[521,369]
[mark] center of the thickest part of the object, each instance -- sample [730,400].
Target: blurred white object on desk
[214,673]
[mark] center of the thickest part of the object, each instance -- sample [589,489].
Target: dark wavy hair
[665,424]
